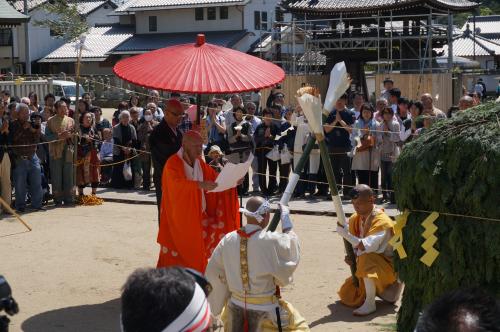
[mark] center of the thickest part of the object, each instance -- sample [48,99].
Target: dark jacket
[3,145]
[163,143]
[259,136]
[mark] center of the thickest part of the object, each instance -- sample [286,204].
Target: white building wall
[183,20]
[100,16]
[268,6]
[41,43]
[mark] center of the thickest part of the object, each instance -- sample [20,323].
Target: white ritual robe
[272,260]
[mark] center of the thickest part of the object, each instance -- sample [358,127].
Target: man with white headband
[165,300]
[247,268]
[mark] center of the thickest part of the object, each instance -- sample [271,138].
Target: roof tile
[100,41]
[369,5]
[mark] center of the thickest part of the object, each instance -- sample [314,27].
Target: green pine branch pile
[454,167]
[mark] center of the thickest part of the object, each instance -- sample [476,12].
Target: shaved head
[191,137]
[192,143]
[254,202]
[361,190]
[363,199]
[253,205]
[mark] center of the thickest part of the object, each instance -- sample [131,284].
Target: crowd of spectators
[38,143]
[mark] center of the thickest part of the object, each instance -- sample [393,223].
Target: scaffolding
[384,42]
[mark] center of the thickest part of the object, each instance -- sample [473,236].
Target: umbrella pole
[198,109]
[293,179]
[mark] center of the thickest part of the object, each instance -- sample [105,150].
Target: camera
[7,304]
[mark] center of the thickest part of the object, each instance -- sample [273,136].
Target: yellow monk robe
[373,265]
[188,235]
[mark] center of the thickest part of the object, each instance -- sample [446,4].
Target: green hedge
[454,167]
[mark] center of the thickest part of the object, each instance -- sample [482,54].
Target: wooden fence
[412,86]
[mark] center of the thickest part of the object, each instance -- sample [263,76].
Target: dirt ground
[67,273]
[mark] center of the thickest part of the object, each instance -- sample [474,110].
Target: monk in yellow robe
[369,232]
[193,220]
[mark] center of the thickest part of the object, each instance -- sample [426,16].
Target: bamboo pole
[11,211]
[293,179]
[327,165]
[76,114]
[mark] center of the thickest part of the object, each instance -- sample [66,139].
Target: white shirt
[272,259]
[194,173]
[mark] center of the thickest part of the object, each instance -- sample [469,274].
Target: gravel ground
[67,273]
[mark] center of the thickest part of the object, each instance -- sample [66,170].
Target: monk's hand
[207,185]
[361,246]
[344,232]
[341,230]
[240,181]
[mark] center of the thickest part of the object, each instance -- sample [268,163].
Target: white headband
[258,215]
[195,318]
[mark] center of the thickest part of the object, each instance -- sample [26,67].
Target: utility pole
[27,41]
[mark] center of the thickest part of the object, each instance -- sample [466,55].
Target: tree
[64,20]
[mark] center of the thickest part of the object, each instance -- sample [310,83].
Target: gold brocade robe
[376,266]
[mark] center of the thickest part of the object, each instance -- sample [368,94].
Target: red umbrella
[199,68]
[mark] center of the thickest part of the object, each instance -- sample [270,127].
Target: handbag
[285,156]
[127,171]
[367,142]
[274,154]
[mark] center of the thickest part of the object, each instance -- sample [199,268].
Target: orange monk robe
[188,235]
[376,266]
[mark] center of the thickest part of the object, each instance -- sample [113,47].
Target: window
[263,20]
[153,23]
[58,91]
[5,37]
[256,20]
[211,13]
[198,14]
[260,20]
[223,13]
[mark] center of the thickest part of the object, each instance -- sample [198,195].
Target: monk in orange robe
[192,220]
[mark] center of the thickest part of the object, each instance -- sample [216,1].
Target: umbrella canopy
[199,68]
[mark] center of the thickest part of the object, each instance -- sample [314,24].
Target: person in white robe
[247,266]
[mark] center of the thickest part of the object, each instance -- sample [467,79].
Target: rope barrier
[206,108]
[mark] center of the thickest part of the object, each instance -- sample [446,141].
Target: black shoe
[21,210]
[40,209]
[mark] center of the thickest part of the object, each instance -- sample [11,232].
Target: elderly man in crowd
[236,101]
[429,108]
[186,123]
[27,171]
[60,127]
[154,97]
[465,102]
[164,141]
